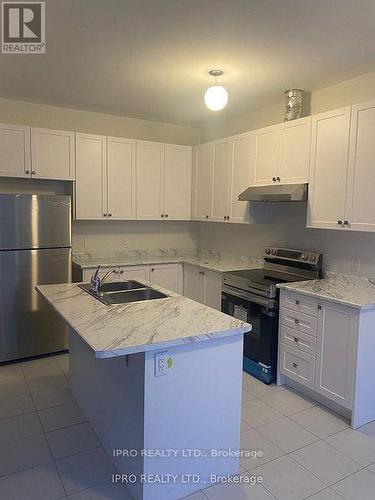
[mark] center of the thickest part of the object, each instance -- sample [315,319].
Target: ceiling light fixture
[216,97]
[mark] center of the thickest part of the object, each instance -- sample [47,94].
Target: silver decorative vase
[293,104]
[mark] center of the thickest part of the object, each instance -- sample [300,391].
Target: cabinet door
[360,198]
[121,178]
[15,158]
[149,180]
[220,180]
[90,190]
[177,181]
[134,273]
[194,283]
[240,211]
[336,340]
[294,151]
[265,155]
[329,168]
[52,154]
[202,182]
[168,276]
[213,286]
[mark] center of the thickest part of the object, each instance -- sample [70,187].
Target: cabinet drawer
[297,365]
[298,321]
[298,340]
[300,303]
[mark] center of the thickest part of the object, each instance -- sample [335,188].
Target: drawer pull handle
[297,302]
[295,339]
[296,321]
[295,365]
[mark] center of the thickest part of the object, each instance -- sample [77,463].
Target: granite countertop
[347,290]
[122,329]
[218,262]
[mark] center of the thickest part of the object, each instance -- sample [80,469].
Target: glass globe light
[216,98]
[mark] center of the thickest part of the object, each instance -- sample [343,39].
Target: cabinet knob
[166,215]
[152,269]
[122,271]
[346,222]
[273,179]
[33,172]
[339,222]
[104,215]
[206,216]
[162,215]
[278,179]
[295,365]
[109,215]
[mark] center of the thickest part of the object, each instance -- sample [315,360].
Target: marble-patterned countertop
[214,262]
[343,289]
[117,330]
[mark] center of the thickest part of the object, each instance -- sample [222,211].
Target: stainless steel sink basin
[123,292]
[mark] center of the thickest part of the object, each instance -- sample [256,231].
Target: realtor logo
[23,29]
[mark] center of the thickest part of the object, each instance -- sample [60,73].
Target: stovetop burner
[264,277]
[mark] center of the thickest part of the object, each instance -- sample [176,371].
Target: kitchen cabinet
[15,159]
[177,182]
[134,273]
[169,276]
[90,187]
[120,178]
[202,182]
[265,155]
[149,180]
[329,350]
[52,154]
[335,363]
[360,199]
[242,145]
[294,151]
[329,169]
[221,173]
[203,285]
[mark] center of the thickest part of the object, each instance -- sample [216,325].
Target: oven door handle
[262,301]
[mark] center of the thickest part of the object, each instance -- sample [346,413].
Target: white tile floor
[48,451]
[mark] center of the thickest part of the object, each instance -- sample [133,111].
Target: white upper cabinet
[177,182]
[329,168]
[240,211]
[202,182]
[294,151]
[91,196]
[15,158]
[52,154]
[149,180]
[121,185]
[360,198]
[221,170]
[265,155]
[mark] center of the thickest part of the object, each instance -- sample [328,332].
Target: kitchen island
[160,381]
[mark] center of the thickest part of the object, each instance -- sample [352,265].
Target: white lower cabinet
[335,359]
[168,276]
[134,273]
[202,285]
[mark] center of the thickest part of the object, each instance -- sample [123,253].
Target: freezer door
[34,221]
[28,326]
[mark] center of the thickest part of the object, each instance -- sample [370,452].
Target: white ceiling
[149,58]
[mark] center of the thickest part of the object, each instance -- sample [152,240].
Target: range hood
[278,192]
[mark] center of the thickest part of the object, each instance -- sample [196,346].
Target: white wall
[119,235]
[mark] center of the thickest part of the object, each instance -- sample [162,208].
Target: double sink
[123,292]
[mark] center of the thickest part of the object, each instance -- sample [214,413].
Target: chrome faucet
[96,282]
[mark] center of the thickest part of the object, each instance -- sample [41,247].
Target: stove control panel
[288,254]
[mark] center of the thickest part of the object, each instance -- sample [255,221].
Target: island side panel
[110,392]
[197,405]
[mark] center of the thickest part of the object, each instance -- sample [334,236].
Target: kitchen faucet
[96,282]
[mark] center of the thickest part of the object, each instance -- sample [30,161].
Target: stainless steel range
[251,295]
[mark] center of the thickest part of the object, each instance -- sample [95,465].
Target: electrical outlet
[161,363]
[355,265]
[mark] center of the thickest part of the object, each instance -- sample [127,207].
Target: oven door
[260,345]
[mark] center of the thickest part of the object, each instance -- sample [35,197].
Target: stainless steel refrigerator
[35,248]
